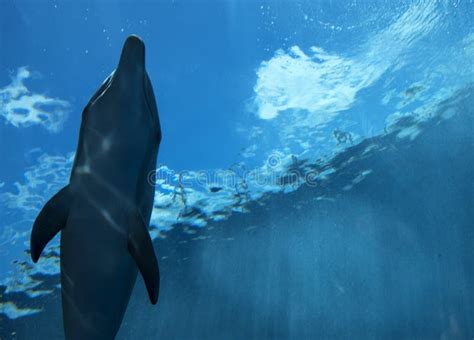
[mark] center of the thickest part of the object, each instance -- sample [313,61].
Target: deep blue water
[315,178]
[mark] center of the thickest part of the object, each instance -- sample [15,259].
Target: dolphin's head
[130,74]
[124,106]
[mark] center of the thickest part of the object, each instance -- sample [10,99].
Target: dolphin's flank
[104,212]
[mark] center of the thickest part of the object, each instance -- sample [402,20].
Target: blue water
[314,177]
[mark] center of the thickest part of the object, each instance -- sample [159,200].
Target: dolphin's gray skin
[104,211]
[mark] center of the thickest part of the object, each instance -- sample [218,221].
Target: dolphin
[104,212]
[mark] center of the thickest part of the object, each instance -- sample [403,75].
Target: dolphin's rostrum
[104,211]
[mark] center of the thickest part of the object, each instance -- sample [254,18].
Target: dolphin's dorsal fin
[140,247]
[49,222]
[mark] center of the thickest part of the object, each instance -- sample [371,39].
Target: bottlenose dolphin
[104,211]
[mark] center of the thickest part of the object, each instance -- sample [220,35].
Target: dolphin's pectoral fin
[140,247]
[51,219]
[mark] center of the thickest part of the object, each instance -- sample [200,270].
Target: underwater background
[315,176]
